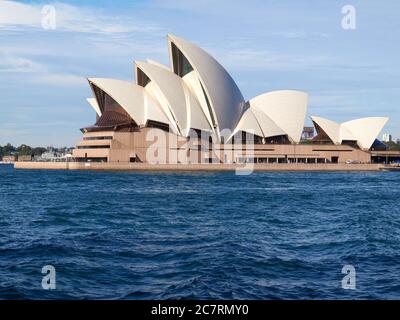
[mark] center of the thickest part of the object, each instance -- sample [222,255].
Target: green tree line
[22,150]
[395,146]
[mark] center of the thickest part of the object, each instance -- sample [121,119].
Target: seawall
[197,167]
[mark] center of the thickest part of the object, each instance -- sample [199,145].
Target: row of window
[94,147]
[98,138]
[284,160]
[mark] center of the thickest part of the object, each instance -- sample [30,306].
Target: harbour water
[208,235]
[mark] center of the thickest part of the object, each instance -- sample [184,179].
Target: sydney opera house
[193,111]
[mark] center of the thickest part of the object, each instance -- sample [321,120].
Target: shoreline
[106,166]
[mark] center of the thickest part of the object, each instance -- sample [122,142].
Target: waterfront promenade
[197,167]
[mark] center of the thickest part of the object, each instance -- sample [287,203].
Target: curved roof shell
[132,98]
[175,97]
[331,128]
[286,108]
[248,123]
[363,130]
[256,122]
[224,96]
[169,92]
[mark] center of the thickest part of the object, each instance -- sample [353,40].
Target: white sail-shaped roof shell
[95,105]
[158,64]
[268,126]
[168,91]
[132,98]
[196,117]
[256,122]
[153,110]
[225,98]
[331,128]
[286,108]
[154,91]
[346,134]
[192,81]
[248,123]
[364,130]
[174,97]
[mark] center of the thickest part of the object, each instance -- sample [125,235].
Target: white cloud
[18,64]
[298,34]
[59,79]
[85,20]
[38,73]
[268,60]
[14,14]
[17,16]
[105,33]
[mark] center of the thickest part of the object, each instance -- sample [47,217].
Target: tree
[24,150]
[8,149]
[394,146]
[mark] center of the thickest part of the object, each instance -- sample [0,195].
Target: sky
[264,45]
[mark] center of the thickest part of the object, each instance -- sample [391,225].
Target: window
[143,79]
[282,139]
[158,125]
[98,138]
[93,147]
[181,65]
[86,159]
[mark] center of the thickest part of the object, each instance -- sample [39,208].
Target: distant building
[308,133]
[55,154]
[8,159]
[25,158]
[387,137]
[48,155]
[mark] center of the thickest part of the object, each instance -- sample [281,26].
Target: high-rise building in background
[387,137]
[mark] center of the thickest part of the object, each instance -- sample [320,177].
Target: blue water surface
[213,235]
